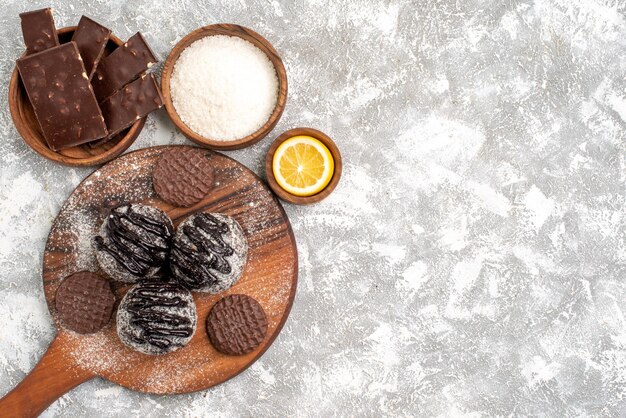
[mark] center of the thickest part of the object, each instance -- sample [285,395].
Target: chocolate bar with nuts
[122,66]
[134,101]
[62,98]
[91,39]
[38,30]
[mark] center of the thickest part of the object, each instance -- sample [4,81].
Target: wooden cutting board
[270,276]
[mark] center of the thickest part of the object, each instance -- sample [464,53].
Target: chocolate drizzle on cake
[206,234]
[136,241]
[153,308]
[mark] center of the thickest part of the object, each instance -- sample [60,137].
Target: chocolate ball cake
[134,242]
[156,317]
[209,252]
[84,302]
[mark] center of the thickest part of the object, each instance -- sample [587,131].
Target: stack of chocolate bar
[81,93]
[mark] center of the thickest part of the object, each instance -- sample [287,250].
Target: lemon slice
[303,165]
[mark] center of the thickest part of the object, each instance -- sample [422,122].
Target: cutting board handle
[53,376]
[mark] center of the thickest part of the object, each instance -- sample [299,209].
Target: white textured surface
[472,260]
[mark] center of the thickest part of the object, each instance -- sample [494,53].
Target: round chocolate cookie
[84,302]
[134,242]
[209,252]
[156,317]
[183,176]
[236,325]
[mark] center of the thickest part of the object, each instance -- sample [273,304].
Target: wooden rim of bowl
[37,143]
[303,200]
[258,41]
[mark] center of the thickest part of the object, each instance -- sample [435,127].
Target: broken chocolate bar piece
[38,30]
[122,66]
[91,39]
[134,101]
[102,141]
[60,93]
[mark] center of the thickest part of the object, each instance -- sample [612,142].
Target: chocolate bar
[134,101]
[122,66]
[91,39]
[102,141]
[38,30]
[59,91]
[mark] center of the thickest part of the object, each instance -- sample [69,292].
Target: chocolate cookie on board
[84,302]
[156,317]
[209,252]
[134,242]
[236,325]
[183,176]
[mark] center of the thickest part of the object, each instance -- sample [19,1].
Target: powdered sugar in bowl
[225,87]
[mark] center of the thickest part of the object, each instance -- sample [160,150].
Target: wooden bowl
[258,41]
[303,200]
[78,156]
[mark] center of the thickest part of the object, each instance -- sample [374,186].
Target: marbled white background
[472,261]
